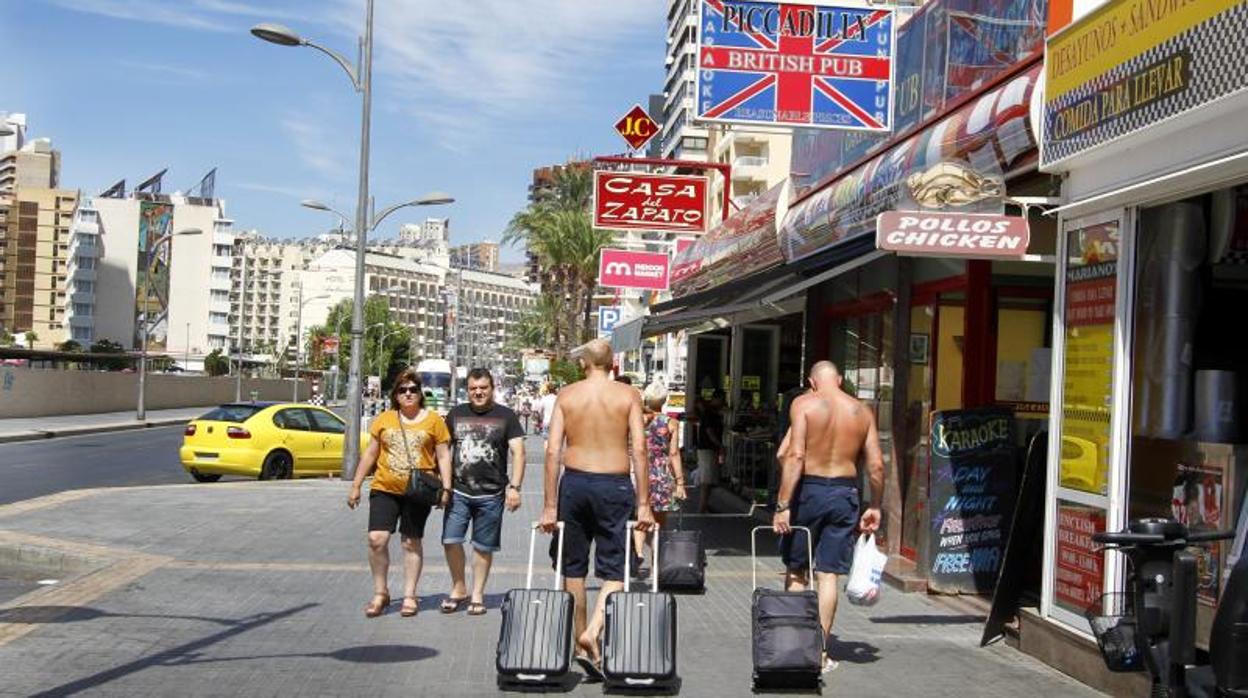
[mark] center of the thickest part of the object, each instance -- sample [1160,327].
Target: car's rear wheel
[204,477]
[278,466]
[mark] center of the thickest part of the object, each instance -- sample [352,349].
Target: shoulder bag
[423,487]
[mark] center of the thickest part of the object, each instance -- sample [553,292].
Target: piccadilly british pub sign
[1131,64]
[795,64]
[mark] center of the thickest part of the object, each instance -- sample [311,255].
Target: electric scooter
[1153,626]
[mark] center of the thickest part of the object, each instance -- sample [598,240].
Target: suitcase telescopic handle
[810,554]
[528,579]
[628,555]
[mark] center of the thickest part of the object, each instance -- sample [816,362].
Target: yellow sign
[751,383]
[1117,32]
[1087,390]
[675,400]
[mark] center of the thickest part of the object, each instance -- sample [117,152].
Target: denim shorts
[486,516]
[828,506]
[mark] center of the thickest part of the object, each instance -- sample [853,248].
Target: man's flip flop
[450,605]
[476,608]
[593,673]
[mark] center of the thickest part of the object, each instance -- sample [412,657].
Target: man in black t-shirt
[483,433]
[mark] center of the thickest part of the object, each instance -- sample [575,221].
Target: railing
[750,161]
[750,466]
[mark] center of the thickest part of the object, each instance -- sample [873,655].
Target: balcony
[82,297]
[79,273]
[81,320]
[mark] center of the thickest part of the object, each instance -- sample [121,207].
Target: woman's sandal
[407,611]
[451,605]
[476,608]
[374,609]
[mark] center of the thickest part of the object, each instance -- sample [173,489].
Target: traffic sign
[608,318]
[329,345]
[637,127]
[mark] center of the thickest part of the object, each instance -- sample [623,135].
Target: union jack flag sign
[787,64]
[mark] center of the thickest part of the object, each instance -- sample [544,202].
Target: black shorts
[385,509]
[828,506]
[594,507]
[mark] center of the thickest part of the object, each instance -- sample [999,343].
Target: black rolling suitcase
[682,560]
[535,638]
[787,637]
[639,641]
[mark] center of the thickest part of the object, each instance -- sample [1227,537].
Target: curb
[41,434]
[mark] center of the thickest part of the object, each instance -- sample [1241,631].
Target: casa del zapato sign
[795,64]
[641,201]
[1134,63]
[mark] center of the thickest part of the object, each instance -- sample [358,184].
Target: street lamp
[381,343]
[299,336]
[149,258]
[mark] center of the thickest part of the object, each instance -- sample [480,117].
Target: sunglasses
[408,390]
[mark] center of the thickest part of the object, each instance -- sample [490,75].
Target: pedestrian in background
[546,407]
[483,434]
[406,438]
[710,446]
[667,476]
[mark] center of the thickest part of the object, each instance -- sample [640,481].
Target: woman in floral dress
[667,476]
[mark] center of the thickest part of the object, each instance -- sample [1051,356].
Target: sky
[469,96]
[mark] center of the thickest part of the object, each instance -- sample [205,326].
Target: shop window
[1189,425]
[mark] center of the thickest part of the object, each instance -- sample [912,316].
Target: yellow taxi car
[267,440]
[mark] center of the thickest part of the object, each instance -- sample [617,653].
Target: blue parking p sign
[608,318]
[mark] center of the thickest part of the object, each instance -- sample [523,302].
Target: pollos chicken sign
[640,201]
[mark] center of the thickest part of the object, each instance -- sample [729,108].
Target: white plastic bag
[863,587]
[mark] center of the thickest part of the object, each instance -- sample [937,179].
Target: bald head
[825,374]
[596,353]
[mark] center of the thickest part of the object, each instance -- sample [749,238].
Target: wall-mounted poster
[151,304]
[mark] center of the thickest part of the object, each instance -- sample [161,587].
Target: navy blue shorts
[828,506]
[594,507]
[484,513]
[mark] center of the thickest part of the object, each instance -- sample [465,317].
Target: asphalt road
[141,457]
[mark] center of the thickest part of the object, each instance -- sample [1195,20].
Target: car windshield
[436,380]
[232,413]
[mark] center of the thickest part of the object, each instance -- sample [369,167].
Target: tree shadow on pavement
[964,619]
[363,654]
[32,615]
[175,654]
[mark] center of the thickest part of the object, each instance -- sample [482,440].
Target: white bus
[438,380]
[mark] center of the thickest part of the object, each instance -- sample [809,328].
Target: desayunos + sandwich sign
[628,269]
[939,234]
[1133,63]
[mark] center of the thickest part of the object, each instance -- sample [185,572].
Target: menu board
[973,474]
[1080,571]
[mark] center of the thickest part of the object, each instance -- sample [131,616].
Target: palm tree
[558,230]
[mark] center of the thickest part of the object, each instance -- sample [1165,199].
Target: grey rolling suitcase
[535,637]
[639,641]
[787,636]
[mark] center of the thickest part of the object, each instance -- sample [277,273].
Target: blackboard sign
[971,496]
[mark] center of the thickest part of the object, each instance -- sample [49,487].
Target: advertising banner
[786,64]
[151,305]
[1133,63]
[973,469]
[935,234]
[743,244]
[1080,571]
[628,269]
[639,201]
[957,165]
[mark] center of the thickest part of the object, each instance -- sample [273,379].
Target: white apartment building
[425,297]
[681,138]
[264,296]
[104,266]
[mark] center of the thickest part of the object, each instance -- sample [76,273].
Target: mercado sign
[934,233]
[638,201]
[627,269]
[787,64]
[1133,63]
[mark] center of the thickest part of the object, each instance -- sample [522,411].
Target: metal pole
[186,360]
[298,342]
[141,412]
[242,305]
[351,449]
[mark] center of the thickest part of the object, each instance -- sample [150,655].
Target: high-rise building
[36,164]
[17,124]
[479,256]
[35,251]
[681,138]
[264,296]
[144,276]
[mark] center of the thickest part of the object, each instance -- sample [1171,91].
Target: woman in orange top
[406,437]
